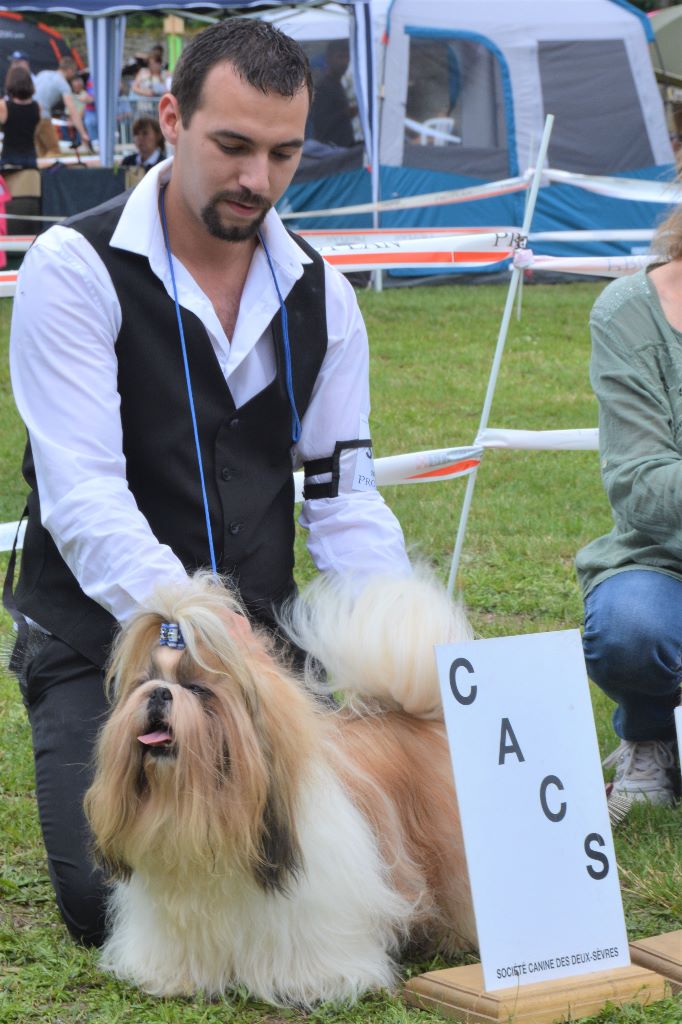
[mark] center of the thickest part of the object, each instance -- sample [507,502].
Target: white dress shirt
[65,323]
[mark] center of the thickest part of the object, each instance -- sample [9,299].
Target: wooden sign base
[457,992]
[663,954]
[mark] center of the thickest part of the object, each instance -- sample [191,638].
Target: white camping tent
[496,67]
[481,77]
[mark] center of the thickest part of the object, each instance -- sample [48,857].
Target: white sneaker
[644,772]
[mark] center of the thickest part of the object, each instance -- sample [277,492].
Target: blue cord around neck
[183,346]
[295,420]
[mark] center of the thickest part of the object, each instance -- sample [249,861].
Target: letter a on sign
[506,732]
[530,790]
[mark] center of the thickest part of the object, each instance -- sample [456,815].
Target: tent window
[455,111]
[333,134]
[592,134]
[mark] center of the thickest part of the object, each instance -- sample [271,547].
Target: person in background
[90,112]
[150,84]
[150,144]
[80,96]
[54,88]
[331,115]
[18,58]
[157,51]
[19,117]
[631,578]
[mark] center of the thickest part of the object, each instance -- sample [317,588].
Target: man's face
[238,154]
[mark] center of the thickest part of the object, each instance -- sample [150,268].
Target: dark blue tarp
[95,8]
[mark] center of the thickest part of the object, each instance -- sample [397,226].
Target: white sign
[533,807]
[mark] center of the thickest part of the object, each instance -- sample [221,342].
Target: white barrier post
[499,350]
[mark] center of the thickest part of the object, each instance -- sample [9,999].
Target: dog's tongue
[155,739]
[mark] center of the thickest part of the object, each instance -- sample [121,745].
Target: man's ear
[169,118]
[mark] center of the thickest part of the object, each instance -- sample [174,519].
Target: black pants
[64,694]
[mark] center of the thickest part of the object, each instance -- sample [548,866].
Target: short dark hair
[18,83]
[68,64]
[147,121]
[263,56]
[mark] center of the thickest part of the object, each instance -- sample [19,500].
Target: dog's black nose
[159,697]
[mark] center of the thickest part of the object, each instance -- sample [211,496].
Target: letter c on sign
[462,698]
[551,780]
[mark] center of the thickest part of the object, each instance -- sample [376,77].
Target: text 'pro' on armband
[350,468]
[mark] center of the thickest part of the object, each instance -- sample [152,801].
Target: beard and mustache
[210,214]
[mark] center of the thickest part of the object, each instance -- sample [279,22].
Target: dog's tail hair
[377,641]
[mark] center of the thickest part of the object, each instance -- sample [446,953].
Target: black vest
[245,451]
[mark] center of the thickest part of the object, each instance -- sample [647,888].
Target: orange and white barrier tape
[413,468]
[321,237]
[8,283]
[460,252]
[597,266]
[433,466]
[637,189]
[16,243]
[457,251]
[577,439]
[458,195]
[598,235]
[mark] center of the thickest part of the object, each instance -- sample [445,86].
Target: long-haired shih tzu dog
[257,836]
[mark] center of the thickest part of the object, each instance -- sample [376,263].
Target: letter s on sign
[462,698]
[597,873]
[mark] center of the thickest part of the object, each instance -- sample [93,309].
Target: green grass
[431,354]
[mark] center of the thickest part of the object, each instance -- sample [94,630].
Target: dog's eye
[197,689]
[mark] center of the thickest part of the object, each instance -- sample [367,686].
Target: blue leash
[295,420]
[183,347]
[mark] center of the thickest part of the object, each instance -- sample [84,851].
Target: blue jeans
[90,124]
[633,650]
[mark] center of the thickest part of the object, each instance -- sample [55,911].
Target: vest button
[226,473]
[234,423]
[234,528]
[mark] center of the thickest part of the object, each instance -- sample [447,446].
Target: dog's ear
[280,858]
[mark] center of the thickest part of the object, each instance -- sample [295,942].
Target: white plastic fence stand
[499,349]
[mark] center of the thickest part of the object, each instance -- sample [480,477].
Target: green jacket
[636,373]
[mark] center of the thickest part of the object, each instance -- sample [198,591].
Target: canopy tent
[43,45]
[105,28]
